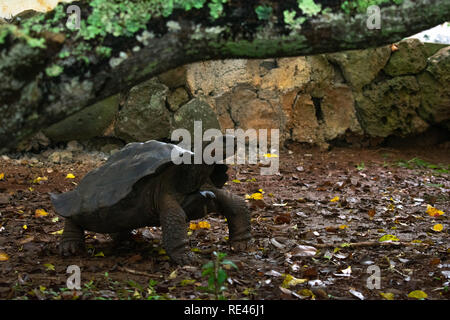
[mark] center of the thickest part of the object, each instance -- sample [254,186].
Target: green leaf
[221,276]
[230,263]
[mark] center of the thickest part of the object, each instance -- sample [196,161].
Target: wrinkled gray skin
[169,199]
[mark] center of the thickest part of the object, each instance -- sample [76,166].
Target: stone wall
[398,90]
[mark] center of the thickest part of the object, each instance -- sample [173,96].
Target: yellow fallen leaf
[70,176]
[162,252]
[255,196]
[433,212]
[204,225]
[290,281]
[25,227]
[343,226]
[39,179]
[418,294]
[4,256]
[193,226]
[40,213]
[387,295]
[173,275]
[270,155]
[438,227]
[236,181]
[335,199]
[49,266]
[388,237]
[31,189]
[100,254]
[58,232]
[2,176]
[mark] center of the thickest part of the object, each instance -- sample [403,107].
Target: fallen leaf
[236,181]
[282,218]
[388,237]
[304,251]
[173,274]
[25,227]
[394,47]
[70,176]
[371,213]
[387,295]
[204,225]
[255,196]
[343,226]
[40,213]
[39,179]
[100,254]
[193,226]
[2,176]
[58,232]
[187,282]
[271,155]
[418,294]
[438,227]
[290,281]
[357,294]
[335,199]
[49,266]
[433,212]
[4,256]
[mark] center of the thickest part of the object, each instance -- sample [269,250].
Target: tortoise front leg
[174,230]
[238,218]
[72,240]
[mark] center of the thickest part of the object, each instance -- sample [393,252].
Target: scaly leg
[72,240]
[238,218]
[174,230]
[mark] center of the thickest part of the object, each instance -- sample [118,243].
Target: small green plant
[360,166]
[263,12]
[217,275]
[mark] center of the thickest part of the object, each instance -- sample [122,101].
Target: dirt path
[317,232]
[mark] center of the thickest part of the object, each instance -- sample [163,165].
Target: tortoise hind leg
[72,241]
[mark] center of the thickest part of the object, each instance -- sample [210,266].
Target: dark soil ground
[316,231]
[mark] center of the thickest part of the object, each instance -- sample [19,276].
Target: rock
[216,77]
[338,112]
[38,141]
[410,58]
[174,78]
[89,122]
[74,146]
[389,108]
[60,156]
[247,108]
[304,125]
[195,110]
[177,98]
[435,83]
[144,115]
[360,67]
[285,75]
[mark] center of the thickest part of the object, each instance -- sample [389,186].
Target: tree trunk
[50,70]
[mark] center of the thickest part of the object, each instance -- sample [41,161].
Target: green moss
[54,70]
[309,7]
[361,6]
[263,12]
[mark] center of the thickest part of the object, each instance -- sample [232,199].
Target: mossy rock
[144,115]
[85,124]
[410,58]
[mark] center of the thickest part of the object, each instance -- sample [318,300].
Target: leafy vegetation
[217,275]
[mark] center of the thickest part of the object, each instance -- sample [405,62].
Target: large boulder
[361,67]
[85,124]
[435,83]
[195,110]
[409,58]
[390,108]
[338,112]
[144,115]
